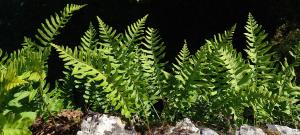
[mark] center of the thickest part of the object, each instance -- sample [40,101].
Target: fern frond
[258,51]
[89,41]
[16,81]
[3,58]
[29,43]
[107,33]
[227,73]
[81,69]
[109,42]
[11,124]
[52,26]
[153,67]
[116,97]
[295,53]
[238,73]
[154,50]
[134,33]
[183,93]
[182,60]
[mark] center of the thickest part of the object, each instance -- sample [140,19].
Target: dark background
[194,20]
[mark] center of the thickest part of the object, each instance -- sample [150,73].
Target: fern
[125,77]
[107,35]
[237,71]
[16,124]
[22,79]
[89,41]
[153,60]
[51,27]
[134,32]
[153,68]
[295,55]
[181,92]
[228,76]
[125,73]
[259,52]
[84,70]
[19,72]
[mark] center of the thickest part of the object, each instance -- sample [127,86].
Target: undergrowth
[126,73]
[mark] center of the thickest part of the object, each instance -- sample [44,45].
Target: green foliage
[23,90]
[116,70]
[20,75]
[12,124]
[218,78]
[51,27]
[126,73]
[259,53]
[230,76]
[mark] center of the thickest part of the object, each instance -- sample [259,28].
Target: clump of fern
[24,93]
[120,72]
[125,73]
[217,85]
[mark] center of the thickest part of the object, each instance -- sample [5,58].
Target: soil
[65,123]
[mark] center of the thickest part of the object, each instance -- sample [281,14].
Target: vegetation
[126,73]
[24,93]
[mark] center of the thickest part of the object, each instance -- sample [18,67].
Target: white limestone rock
[283,130]
[249,130]
[99,124]
[184,127]
[207,131]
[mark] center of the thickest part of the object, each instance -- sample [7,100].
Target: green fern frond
[182,59]
[153,67]
[109,42]
[154,49]
[16,81]
[295,53]
[3,58]
[22,67]
[10,77]
[256,41]
[107,33]
[81,69]
[29,43]
[51,27]
[117,97]
[238,73]
[183,62]
[183,90]
[221,39]
[259,52]
[228,73]
[134,33]
[11,124]
[89,41]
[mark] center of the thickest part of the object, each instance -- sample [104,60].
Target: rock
[184,127]
[207,131]
[98,124]
[249,130]
[283,130]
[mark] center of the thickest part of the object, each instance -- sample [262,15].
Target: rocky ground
[75,123]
